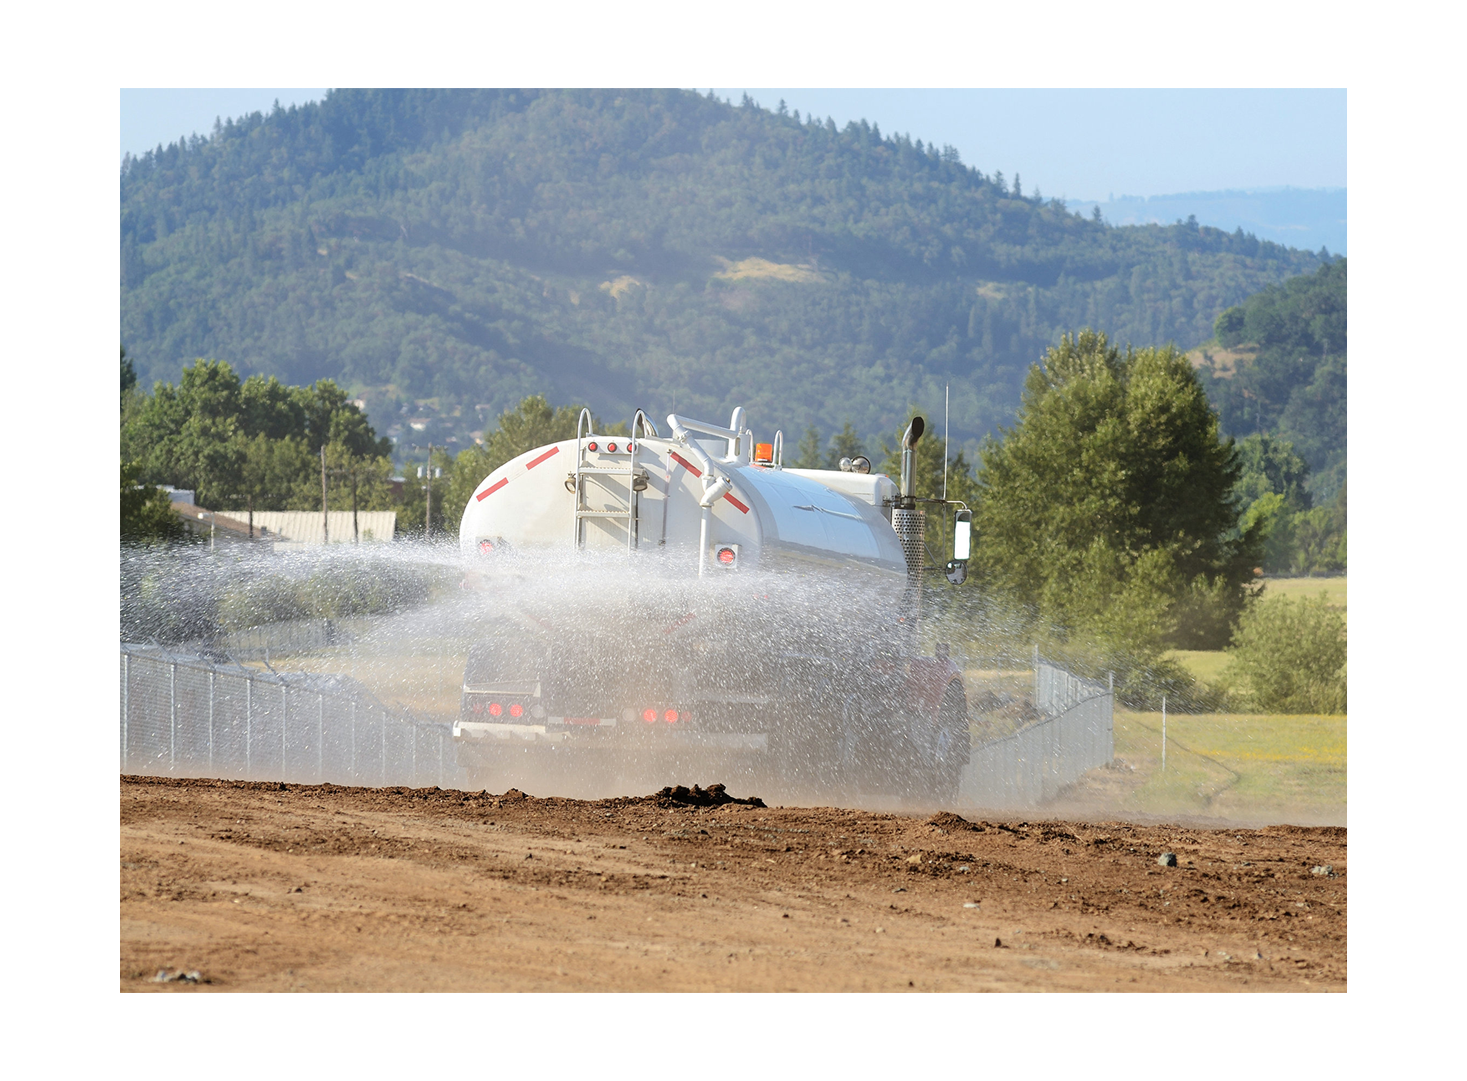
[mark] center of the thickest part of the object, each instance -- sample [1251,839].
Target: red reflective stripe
[736,503]
[548,454]
[680,460]
[500,483]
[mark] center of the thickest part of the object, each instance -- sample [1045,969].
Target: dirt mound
[946,820]
[715,795]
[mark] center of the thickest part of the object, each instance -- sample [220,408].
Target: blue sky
[1082,144]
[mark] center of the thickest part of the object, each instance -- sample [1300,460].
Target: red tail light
[670,716]
[495,709]
[611,447]
[516,710]
[649,715]
[593,445]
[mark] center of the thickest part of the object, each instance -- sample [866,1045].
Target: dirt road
[265,887]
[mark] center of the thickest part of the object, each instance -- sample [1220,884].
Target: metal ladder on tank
[630,515]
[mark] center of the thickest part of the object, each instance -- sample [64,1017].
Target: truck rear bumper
[604,734]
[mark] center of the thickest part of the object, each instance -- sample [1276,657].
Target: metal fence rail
[1033,764]
[186,716]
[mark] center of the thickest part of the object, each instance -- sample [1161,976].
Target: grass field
[1294,588]
[1208,665]
[1249,767]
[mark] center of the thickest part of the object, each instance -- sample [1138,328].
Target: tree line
[252,444]
[1114,521]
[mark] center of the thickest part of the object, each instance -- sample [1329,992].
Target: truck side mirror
[957,572]
[963,536]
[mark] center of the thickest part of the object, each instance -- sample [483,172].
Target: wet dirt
[274,887]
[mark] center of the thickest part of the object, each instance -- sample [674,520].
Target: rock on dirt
[191,976]
[1167,859]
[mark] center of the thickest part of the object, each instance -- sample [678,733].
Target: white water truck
[783,628]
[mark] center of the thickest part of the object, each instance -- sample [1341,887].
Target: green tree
[808,452]
[147,517]
[254,443]
[1269,464]
[1108,508]
[844,444]
[1320,537]
[447,507]
[129,374]
[278,474]
[1272,489]
[1290,655]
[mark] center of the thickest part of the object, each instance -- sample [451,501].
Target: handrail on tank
[647,425]
[736,424]
[778,462]
[633,504]
[688,424]
[584,418]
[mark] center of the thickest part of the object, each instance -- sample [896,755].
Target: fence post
[353,739]
[172,714]
[211,722]
[320,736]
[382,743]
[249,718]
[440,757]
[1163,733]
[284,721]
[126,679]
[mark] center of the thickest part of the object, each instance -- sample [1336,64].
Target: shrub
[1291,654]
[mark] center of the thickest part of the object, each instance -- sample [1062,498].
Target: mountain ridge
[466,246]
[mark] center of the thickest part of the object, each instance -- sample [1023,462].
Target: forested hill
[438,251]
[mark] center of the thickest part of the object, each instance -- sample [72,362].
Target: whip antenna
[945,390]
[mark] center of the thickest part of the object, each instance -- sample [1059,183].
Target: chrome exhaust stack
[908,521]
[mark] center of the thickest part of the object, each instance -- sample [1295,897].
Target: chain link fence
[185,715]
[188,716]
[1032,765]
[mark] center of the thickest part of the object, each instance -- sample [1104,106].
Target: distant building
[418,424]
[290,529]
[177,495]
[218,527]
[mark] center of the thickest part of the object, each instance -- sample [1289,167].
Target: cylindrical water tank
[649,501]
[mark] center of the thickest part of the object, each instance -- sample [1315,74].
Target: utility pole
[426,472]
[352,472]
[325,521]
